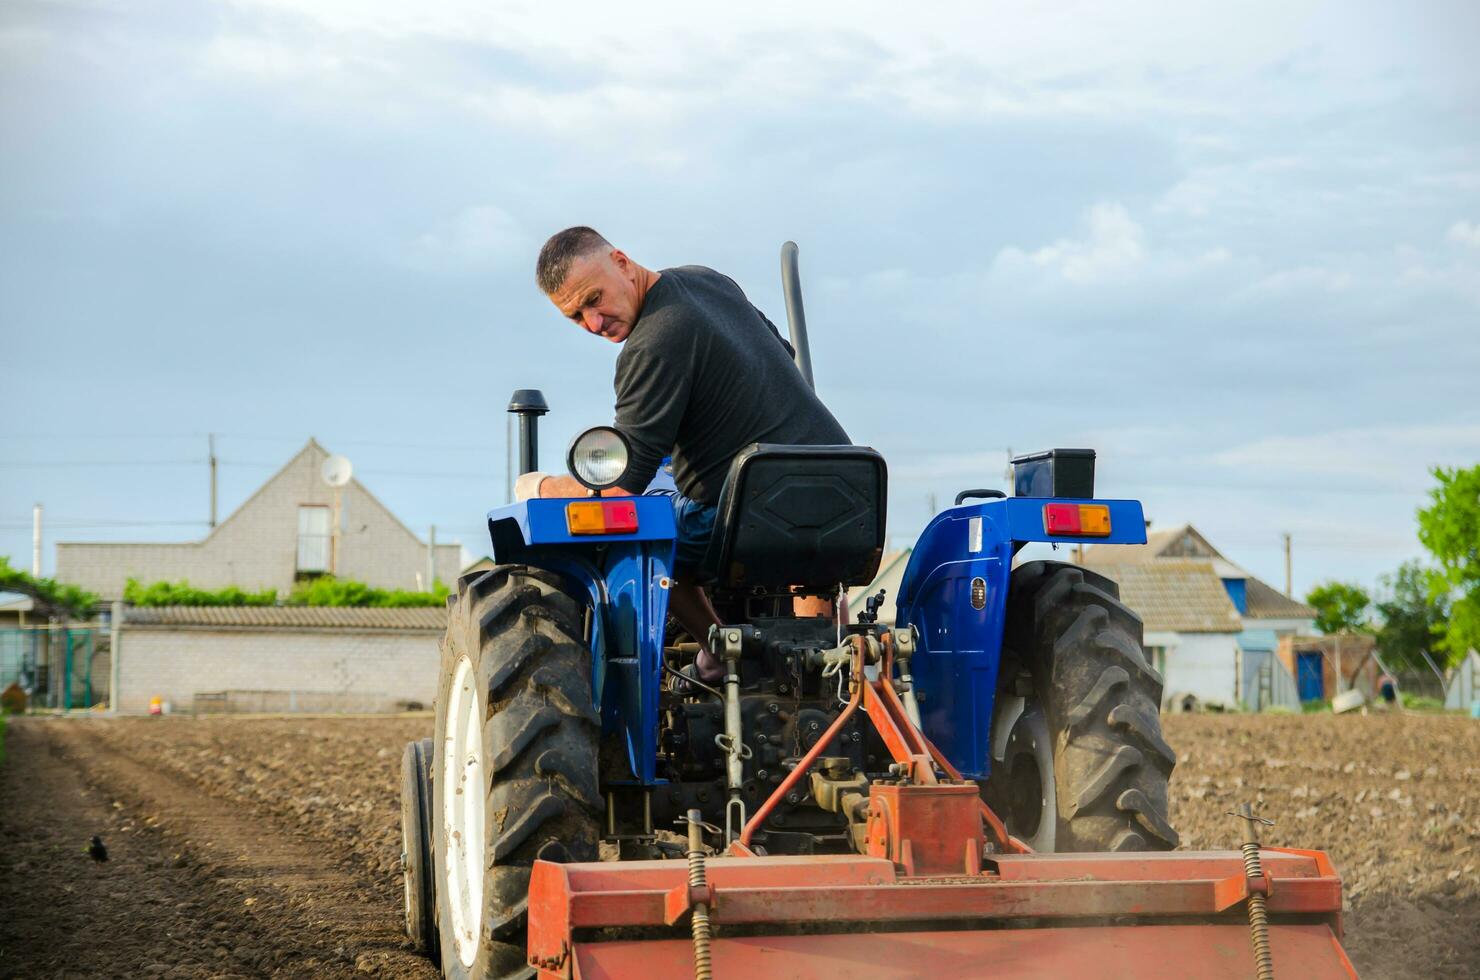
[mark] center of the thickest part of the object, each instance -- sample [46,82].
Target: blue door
[1310,678]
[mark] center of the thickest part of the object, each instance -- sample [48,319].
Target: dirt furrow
[195,886]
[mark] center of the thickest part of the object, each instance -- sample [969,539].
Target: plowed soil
[270,847]
[1393,799]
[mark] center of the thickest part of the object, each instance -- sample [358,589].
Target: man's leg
[692,608]
[686,600]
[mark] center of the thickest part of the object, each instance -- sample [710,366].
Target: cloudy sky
[1233,247]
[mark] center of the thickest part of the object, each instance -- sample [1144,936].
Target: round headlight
[598,457]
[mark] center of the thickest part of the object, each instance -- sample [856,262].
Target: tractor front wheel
[1100,700]
[515,773]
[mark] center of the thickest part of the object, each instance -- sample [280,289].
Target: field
[270,847]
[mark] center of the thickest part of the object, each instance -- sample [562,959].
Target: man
[702,374]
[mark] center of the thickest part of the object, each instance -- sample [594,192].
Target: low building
[1212,629]
[1191,627]
[276,658]
[1462,687]
[1316,661]
[283,533]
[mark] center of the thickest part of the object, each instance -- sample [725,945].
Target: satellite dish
[336,471]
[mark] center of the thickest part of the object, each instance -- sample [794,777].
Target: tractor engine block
[785,707]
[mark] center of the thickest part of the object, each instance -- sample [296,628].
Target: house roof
[1182,541]
[311,448]
[431,618]
[889,576]
[1176,595]
[1185,542]
[1265,602]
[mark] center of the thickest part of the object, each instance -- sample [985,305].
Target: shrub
[326,590]
[182,594]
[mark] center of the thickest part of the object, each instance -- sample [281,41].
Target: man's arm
[569,486]
[652,389]
[790,351]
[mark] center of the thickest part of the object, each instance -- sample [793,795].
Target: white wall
[1201,664]
[1283,627]
[329,670]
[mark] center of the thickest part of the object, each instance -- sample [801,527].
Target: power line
[441,447]
[17,525]
[46,464]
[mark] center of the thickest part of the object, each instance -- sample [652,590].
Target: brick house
[281,534]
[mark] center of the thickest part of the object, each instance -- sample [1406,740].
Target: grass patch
[1314,707]
[1418,702]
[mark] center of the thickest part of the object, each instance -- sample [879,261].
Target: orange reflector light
[1076,520]
[1094,519]
[601,517]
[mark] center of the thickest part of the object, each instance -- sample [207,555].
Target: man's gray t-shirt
[703,375]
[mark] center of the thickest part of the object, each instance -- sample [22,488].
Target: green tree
[1450,529]
[1413,620]
[1340,607]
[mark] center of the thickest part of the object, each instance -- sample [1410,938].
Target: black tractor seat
[808,516]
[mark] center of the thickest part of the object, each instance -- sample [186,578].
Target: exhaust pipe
[529,404]
[796,317]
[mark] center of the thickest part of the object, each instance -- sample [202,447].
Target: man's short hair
[563,248]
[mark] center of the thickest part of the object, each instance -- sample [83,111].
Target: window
[1158,658]
[313,539]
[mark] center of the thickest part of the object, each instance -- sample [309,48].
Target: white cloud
[1115,243]
[1465,233]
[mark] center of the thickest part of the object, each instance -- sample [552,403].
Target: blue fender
[954,592]
[627,578]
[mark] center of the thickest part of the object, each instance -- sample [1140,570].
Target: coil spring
[1258,916]
[699,924]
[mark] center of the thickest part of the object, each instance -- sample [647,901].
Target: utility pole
[211,444]
[509,460]
[1289,583]
[431,558]
[334,533]
[36,542]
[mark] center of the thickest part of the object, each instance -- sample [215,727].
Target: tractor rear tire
[416,847]
[1067,626]
[515,774]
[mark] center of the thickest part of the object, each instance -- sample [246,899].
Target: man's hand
[528,485]
[545,485]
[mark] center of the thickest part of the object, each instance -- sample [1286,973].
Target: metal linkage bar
[855,686]
[1005,842]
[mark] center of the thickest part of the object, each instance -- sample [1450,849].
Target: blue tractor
[567,735]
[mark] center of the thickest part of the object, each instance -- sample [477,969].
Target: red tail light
[601,517]
[1076,520]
